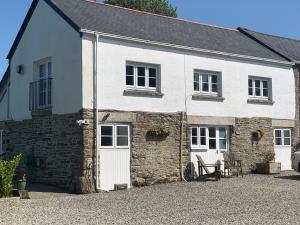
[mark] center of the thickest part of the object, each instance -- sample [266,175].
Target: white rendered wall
[175,66]
[48,35]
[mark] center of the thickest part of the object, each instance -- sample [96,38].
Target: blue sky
[270,16]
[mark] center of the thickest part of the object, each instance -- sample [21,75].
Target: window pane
[214,79]
[42,70]
[205,78]
[196,77]
[194,131]
[214,88]
[222,133]
[277,133]
[141,81]
[205,87]
[194,141]
[106,141]
[129,70]
[265,84]
[278,141]
[257,91]
[287,141]
[49,68]
[203,132]
[203,141]
[257,83]
[196,86]
[122,130]
[152,82]
[222,143]
[249,83]
[250,91]
[212,132]
[130,80]
[122,141]
[106,130]
[141,71]
[287,133]
[152,72]
[265,93]
[212,143]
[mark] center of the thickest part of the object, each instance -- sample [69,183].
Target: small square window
[206,82]
[259,87]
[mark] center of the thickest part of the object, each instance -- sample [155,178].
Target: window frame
[217,138]
[147,76]
[210,74]
[282,137]
[261,88]
[114,136]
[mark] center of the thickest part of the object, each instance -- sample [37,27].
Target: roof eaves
[246,33]
[27,20]
[186,48]
[5,77]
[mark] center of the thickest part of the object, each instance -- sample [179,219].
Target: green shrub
[7,172]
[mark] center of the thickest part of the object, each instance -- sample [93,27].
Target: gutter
[287,63]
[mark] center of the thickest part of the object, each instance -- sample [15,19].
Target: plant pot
[268,168]
[21,185]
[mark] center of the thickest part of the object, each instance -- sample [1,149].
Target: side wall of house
[296,130]
[48,36]
[4,102]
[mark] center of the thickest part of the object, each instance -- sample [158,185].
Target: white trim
[200,74]
[180,47]
[282,137]
[261,80]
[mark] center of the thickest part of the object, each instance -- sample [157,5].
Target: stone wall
[296,129]
[244,148]
[51,146]
[153,160]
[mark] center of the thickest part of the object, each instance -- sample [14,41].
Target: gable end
[27,20]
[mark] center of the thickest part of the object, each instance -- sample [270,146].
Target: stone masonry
[296,130]
[247,150]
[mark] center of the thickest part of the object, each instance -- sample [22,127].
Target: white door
[114,156]
[282,147]
[210,143]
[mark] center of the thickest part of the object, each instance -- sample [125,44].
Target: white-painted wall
[175,66]
[48,35]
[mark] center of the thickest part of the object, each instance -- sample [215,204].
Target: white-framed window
[114,136]
[142,76]
[282,137]
[1,141]
[207,82]
[259,87]
[211,138]
[45,73]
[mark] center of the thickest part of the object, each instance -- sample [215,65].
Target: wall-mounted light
[20,69]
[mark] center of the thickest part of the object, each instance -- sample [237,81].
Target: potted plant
[268,166]
[159,132]
[257,135]
[21,184]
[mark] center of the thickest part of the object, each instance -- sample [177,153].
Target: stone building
[98,96]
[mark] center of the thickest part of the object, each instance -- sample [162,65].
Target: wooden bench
[204,167]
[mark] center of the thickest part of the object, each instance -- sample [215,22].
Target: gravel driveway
[254,199]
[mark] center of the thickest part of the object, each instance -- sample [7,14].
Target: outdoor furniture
[204,167]
[232,166]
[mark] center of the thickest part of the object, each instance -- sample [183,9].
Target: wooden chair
[232,165]
[202,166]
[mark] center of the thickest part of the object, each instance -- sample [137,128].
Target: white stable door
[282,148]
[113,156]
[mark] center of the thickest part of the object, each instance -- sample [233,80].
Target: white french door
[113,156]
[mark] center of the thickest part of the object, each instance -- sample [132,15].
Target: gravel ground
[254,199]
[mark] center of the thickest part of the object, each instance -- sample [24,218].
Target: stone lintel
[283,123]
[211,120]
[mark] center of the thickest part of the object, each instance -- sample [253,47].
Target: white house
[209,88]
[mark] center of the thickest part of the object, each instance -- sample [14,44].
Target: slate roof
[100,17]
[290,48]
[89,15]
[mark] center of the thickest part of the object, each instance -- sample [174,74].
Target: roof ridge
[163,16]
[272,35]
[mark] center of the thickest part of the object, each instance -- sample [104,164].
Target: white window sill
[260,101]
[203,97]
[142,93]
